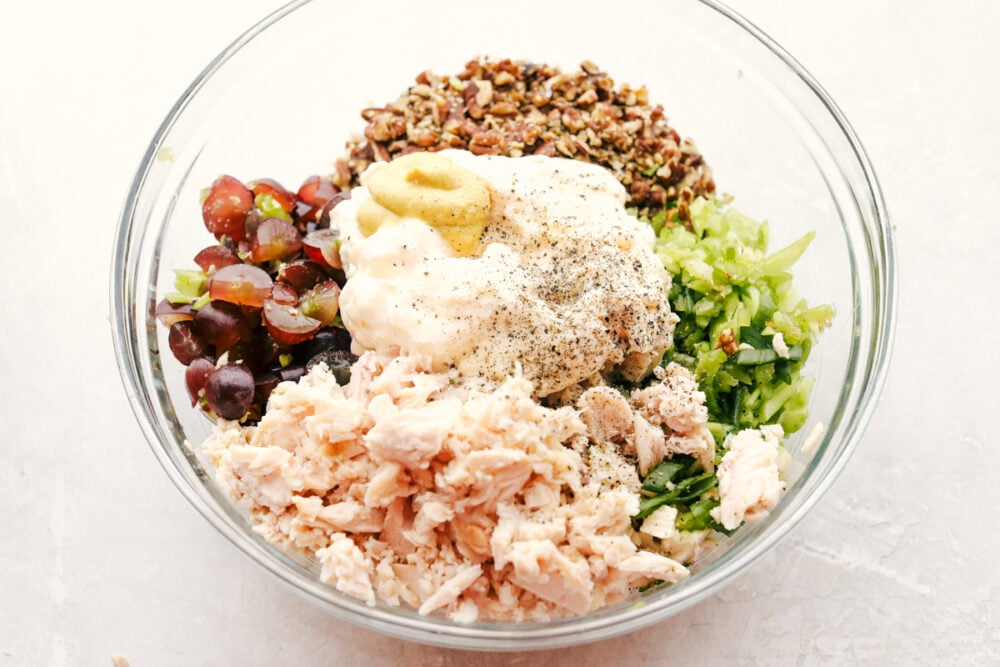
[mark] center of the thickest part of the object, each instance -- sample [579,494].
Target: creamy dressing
[566,286]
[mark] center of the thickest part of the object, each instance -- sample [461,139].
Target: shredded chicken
[476,504]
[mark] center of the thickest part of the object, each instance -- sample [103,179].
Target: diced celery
[190,282]
[783,259]
[270,208]
[724,279]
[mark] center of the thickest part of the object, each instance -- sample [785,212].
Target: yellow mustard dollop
[430,187]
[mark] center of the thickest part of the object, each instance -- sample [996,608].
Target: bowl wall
[282,100]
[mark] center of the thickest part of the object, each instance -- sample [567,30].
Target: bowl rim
[559,633]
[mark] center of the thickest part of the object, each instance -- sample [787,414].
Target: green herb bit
[662,476]
[651,585]
[683,493]
[754,338]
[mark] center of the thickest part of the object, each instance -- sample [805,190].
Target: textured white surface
[898,564]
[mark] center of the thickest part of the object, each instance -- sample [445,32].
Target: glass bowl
[283,98]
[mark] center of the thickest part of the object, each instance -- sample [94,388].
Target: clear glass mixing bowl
[282,99]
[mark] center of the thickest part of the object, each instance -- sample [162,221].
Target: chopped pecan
[385,126]
[485,143]
[727,342]
[515,107]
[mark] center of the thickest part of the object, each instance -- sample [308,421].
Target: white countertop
[898,563]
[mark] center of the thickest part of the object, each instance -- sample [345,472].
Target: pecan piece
[384,127]
[485,143]
[727,342]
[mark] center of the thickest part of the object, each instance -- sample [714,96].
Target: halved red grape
[317,190]
[284,294]
[242,284]
[321,302]
[196,377]
[226,205]
[214,257]
[229,391]
[323,219]
[269,186]
[274,239]
[287,324]
[317,193]
[323,247]
[170,314]
[221,324]
[250,225]
[302,274]
[186,344]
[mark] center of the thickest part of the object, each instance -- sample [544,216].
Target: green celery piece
[747,231]
[177,298]
[755,357]
[270,208]
[698,517]
[775,401]
[723,278]
[764,310]
[719,430]
[190,282]
[201,302]
[783,259]
[658,221]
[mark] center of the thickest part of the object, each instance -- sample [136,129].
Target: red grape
[247,353]
[321,302]
[171,313]
[271,303]
[229,391]
[274,239]
[302,274]
[323,220]
[323,247]
[242,284]
[284,294]
[226,205]
[269,186]
[185,344]
[221,324]
[287,324]
[196,377]
[214,257]
[317,192]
